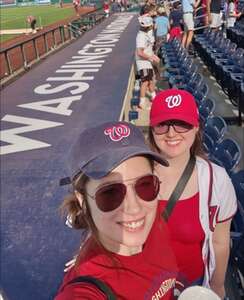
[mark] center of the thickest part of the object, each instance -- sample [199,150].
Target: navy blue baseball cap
[100,149]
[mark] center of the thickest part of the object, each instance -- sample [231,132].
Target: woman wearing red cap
[115,198]
[197,198]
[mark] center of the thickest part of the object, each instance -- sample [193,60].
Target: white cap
[145,21]
[198,293]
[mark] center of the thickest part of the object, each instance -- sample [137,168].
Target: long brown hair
[80,217]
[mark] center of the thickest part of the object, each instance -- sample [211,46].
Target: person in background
[145,58]
[106,9]
[232,14]
[150,5]
[76,5]
[214,14]
[115,198]
[31,20]
[175,20]
[61,2]
[188,7]
[167,6]
[199,217]
[161,27]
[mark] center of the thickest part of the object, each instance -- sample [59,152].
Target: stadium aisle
[42,113]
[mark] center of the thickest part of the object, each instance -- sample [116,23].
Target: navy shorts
[146,75]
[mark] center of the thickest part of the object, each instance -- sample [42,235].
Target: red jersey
[105,6]
[150,274]
[187,237]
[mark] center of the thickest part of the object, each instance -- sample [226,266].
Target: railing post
[54,38]
[36,49]
[61,30]
[88,20]
[23,55]
[69,31]
[10,71]
[45,42]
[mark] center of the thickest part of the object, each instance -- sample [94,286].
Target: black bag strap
[210,192]
[98,283]
[178,190]
[210,188]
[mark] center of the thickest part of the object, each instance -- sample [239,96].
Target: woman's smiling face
[173,144]
[125,229]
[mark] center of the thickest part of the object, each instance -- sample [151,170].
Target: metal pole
[10,71]
[23,55]
[45,42]
[36,49]
[54,38]
[61,30]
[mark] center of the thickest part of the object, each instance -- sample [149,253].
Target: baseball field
[15,17]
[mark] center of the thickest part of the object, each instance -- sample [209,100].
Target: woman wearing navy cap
[197,197]
[127,254]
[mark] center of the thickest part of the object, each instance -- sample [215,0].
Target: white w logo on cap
[173,101]
[118,132]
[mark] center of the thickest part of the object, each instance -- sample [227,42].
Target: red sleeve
[81,291]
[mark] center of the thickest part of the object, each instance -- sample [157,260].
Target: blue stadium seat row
[236,33]
[225,61]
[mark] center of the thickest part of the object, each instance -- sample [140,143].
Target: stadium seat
[227,154]
[237,226]
[238,182]
[208,144]
[201,92]
[216,128]
[206,109]
[213,133]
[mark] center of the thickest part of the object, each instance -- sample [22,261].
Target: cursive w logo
[117,133]
[173,101]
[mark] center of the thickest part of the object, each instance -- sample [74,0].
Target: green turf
[14,17]
[6,37]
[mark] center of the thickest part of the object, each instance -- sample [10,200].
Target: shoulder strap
[98,283]
[179,188]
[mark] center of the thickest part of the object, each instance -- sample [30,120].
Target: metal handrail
[73,32]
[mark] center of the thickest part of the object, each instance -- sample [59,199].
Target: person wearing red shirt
[115,198]
[76,4]
[106,9]
[199,223]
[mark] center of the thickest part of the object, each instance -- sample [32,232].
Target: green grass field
[14,17]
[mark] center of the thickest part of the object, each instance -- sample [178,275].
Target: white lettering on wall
[61,109]
[19,143]
[81,68]
[45,89]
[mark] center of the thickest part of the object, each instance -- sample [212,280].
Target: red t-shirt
[105,6]
[150,274]
[187,237]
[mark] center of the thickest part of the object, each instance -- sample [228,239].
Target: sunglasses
[179,127]
[111,196]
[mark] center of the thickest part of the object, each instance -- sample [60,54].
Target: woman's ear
[80,197]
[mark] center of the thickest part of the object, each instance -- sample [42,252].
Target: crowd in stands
[188,164]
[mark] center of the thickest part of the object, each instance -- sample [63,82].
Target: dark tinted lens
[181,126]
[147,187]
[110,197]
[160,129]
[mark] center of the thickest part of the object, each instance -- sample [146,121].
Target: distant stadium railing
[21,56]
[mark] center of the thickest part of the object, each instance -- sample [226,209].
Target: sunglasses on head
[111,196]
[179,127]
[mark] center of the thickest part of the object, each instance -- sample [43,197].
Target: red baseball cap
[174,104]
